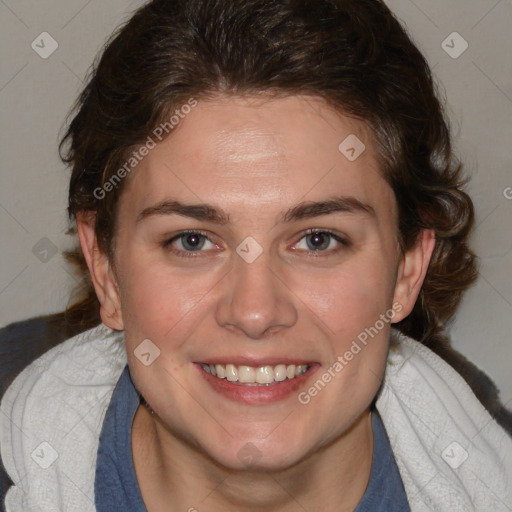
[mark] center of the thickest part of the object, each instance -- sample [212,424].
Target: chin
[256,456]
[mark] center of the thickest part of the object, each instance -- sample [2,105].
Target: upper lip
[256,362]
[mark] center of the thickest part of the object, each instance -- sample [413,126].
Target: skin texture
[255,159]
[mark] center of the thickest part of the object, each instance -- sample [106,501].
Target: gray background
[36,95]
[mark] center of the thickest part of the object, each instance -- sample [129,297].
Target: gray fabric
[20,344]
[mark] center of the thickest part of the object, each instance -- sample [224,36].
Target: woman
[275,229]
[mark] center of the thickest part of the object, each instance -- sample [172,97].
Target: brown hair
[353,54]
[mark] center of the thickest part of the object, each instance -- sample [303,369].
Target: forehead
[269,154]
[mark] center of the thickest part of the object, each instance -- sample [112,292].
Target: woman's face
[290,255]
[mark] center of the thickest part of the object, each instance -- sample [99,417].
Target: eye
[188,242]
[321,241]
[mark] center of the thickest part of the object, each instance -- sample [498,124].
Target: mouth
[255,376]
[259,384]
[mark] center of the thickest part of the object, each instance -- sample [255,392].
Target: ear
[101,272]
[411,273]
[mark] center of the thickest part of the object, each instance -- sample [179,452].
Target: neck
[175,475]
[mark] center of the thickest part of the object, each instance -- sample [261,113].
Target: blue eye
[189,241]
[321,241]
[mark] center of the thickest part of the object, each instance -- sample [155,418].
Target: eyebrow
[195,211]
[305,210]
[341,204]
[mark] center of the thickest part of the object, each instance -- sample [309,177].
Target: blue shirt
[116,486]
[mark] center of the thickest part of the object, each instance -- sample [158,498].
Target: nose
[255,300]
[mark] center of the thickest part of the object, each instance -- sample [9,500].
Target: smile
[250,375]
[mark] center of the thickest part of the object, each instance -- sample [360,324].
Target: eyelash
[187,254]
[344,243]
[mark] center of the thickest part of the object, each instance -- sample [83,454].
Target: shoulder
[84,359]
[429,385]
[447,446]
[53,412]
[413,367]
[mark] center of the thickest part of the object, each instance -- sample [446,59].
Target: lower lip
[258,394]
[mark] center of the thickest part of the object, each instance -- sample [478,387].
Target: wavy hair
[354,54]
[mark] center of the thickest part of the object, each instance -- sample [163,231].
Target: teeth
[280,372]
[249,375]
[265,375]
[231,373]
[246,374]
[299,370]
[221,371]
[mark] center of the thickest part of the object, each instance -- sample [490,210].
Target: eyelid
[334,233]
[338,237]
[168,241]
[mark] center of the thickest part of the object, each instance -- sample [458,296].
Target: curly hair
[354,54]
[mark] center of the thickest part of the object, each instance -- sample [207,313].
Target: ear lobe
[101,272]
[411,273]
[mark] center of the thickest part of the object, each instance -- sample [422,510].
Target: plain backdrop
[468,43]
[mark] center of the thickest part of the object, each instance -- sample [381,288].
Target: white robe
[452,456]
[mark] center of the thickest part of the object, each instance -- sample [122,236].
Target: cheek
[154,299]
[351,298]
